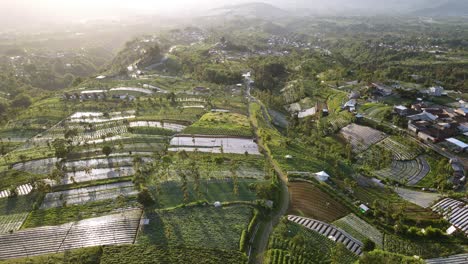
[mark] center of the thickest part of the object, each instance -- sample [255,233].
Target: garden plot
[111,162]
[20,190]
[330,231]
[308,200]
[42,166]
[456,212]
[97,174]
[455,259]
[131,89]
[408,172]
[88,194]
[361,137]
[215,145]
[98,117]
[170,126]
[102,133]
[360,229]
[200,226]
[400,151]
[108,230]
[11,222]
[422,199]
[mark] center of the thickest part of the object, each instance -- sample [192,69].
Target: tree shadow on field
[154,232]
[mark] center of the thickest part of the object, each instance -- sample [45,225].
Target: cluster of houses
[436,124]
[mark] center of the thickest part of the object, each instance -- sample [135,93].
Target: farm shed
[363,208]
[461,146]
[322,176]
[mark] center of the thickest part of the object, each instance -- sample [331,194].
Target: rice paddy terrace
[76,183]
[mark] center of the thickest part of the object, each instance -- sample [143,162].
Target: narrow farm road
[263,237]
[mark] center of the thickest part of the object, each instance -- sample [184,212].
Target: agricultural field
[360,229]
[107,230]
[212,144]
[407,172]
[170,194]
[375,110]
[361,137]
[293,243]
[423,199]
[14,210]
[88,194]
[308,200]
[402,149]
[195,226]
[227,124]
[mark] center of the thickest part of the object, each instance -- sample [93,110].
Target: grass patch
[228,124]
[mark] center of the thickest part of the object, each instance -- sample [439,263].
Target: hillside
[251,10]
[447,8]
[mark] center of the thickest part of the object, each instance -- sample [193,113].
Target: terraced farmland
[214,145]
[408,172]
[20,190]
[329,231]
[361,137]
[315,248]
[400,151]
[360,229]
[455,259]
[108,230]
[97,174]
[88,194]
[11,222]
[307,200]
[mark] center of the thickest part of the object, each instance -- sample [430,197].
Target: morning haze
[233,131]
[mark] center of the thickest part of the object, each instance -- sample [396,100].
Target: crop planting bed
[329,231]
[24,189]
[361,137]
[456,212]
[308,200]
[108,230]
[103,163]
[97,174]
[422,199]
[410,172]
[215,145]
[41,166]
[170,126]
[315,247]
[360,229]
[11,222]
[211,190]
[204,226]
[88,194]
[98,117]
[400,151]
[455,259]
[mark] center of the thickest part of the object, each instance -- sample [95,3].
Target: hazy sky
[19,12]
